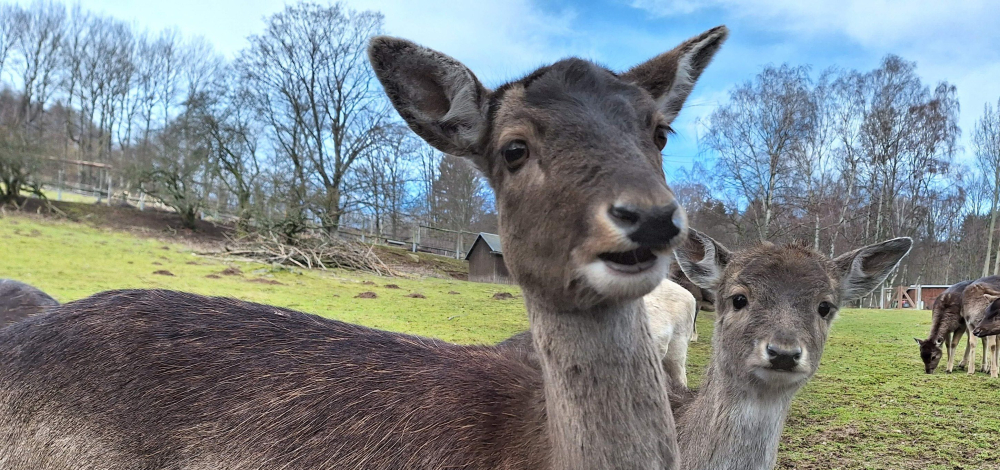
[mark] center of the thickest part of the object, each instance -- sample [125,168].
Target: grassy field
[869,407]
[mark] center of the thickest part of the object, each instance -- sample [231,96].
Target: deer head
[775,303]
[572,152]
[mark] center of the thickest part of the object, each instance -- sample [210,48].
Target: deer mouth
[629,262]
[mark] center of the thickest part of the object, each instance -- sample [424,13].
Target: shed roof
[492,241]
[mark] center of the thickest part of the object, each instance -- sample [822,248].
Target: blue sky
[957,41]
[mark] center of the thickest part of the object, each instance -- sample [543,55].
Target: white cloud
[498,40]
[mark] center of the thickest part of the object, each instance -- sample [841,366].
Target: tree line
[844,158]
[290,135]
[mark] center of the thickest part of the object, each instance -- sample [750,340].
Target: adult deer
[19,301]
[159,379]
[976,300]
[947,328]
[774,308]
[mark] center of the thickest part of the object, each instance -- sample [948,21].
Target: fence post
[109,188]
[59,190]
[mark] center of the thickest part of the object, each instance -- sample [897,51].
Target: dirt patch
[366,295]
[125,217]
[391,286]
[261,280]
[503,296]
[368,283]
[193,263]
[231,271]
[157,263]
[213,276]
[417,295]
[163,272]
[453,292]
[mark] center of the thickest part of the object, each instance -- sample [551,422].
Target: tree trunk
[989,237]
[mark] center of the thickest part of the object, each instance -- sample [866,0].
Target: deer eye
[660,136]
[740,301]
[824,309]
[515,153]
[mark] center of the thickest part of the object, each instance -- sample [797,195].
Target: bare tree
[317,91]
[383,174]
[37,49]
[756,134]
[986,140]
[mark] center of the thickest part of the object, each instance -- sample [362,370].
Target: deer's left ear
[671,76]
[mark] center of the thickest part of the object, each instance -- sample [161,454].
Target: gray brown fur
[990,326]
[155,379]
[947,328]
[671,312]
[735,419]
[976,299]
[19,301]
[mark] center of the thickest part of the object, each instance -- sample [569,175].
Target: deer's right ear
[437,96]
[918,341]
[702,259]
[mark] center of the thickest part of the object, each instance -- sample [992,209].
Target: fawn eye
[824,309]
[515,153]
[660,136]
[740,301]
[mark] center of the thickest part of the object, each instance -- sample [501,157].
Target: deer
[775,308]
[976,301]
[947,327]
[19,301]
[143,379]
[990,325]
[671,311]
[775,305]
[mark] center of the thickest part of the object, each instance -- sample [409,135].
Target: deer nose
[783,358]
[650,227]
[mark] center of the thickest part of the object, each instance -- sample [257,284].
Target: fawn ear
[671,76]
[919,341]
[437,96]
[864,269]
[991,294]
[702,259]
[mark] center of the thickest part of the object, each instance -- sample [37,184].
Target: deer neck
[732,425]
[605,401]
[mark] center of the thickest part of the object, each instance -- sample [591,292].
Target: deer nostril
[624,215]
[783,359]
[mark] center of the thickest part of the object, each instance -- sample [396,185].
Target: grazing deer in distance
[150,379]
[976,301]
[774,308]
[671,310]
[947,327]
[19,301]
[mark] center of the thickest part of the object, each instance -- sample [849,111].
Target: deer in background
[976,300]
[774,308]
[19,301]
[149,379]
[947,327]
[990,326]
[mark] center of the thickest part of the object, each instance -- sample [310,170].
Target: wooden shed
[485,259]
[918,296]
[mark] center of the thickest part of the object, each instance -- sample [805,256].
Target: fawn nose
[650,226]
[782,357]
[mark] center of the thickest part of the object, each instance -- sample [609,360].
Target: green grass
[71,261]
[869,407]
